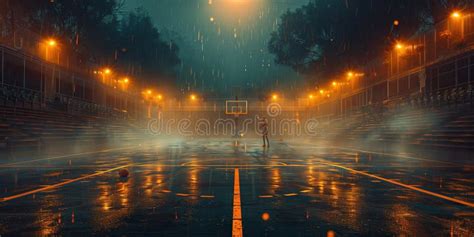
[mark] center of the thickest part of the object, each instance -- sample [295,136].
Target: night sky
[223,43]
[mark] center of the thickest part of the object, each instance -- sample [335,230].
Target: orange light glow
[265,216]
[107,71]
[456,14]
[399,46]
[52,43]
[334,83]
[321,91]
[236,11]
[193,97]
[149,92]
[274,97]
[311,96]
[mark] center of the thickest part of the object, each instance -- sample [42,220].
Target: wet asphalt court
[189,188]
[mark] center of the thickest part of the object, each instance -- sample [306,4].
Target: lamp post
[50,45]
[106,72]
[148,98]
[457,16]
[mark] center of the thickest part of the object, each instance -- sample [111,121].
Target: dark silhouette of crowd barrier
[43,103]
[443,118]
[26,128]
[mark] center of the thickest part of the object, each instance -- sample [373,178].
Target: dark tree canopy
[95,31]
[142,49]
[326,37]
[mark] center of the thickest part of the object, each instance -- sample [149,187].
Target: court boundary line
[61,184]
[407,186]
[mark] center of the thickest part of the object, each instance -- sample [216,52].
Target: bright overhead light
[456,14]
[52,42]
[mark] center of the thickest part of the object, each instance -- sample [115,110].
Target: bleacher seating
[23,127]
[443,119]
[15,96]
[402,125]
[11,137]
[457,133]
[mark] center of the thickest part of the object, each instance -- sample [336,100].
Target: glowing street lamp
[193,97]
[124,83]
[352,74]
[274,97]
[52,42]
[399,46]
[311,96]
[105,72]
[334,83]
[456,15]
[321,92]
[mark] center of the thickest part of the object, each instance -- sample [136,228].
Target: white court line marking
[412,187]
[237,228]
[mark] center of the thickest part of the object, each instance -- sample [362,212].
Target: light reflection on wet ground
[185,188]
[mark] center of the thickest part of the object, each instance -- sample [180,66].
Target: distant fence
[26,80]
[435,62]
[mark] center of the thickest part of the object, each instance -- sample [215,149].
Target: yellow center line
[237,228]
[412,187]
[53,186]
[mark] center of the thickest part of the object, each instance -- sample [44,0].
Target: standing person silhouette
[264,130]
